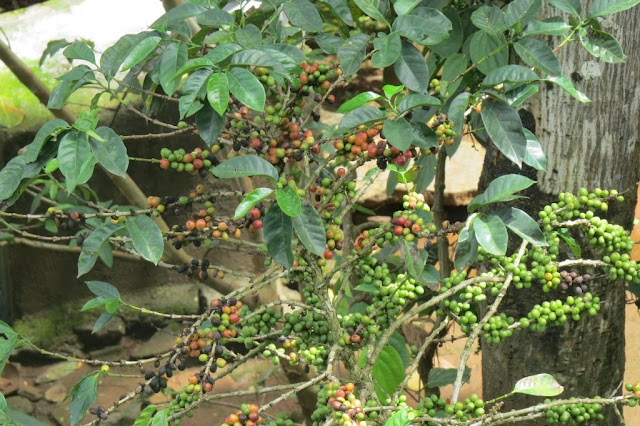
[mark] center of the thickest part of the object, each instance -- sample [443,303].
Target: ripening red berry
[372,132]
[165,163]
[191,225]
[257,224]
[398,230]
[304,79]
[415,228]
[372,150]
[341,172]
[356,150]
[255,143]
[197,163]
[188,158]
[201,224]
[255,213]
[401,160]
[328,254]
[361,138]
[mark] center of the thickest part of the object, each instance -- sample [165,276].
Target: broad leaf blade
[278,233]
[289,201]
[146,238]
[310,229]
[491,234]
[250,200]
[246,165]
[539,385]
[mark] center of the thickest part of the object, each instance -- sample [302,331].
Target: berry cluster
[575,280]
[442,126]
[635,390]
[197,161]
[258,323]
[556,312]
[247,415]
[340,403]
[574,413]
[408,224]
[435,406]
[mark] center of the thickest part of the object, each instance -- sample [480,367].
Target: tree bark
[587,145]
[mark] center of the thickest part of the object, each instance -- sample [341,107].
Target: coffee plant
[251,82]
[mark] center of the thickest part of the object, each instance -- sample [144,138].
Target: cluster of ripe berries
[575,280]
[197,161]
[340,403]
[64,221]
[370,143]
[443,129]
[409,224]
[247,415]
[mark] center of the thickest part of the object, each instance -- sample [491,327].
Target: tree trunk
[587,145]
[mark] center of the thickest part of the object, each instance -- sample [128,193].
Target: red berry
[257,224]
[398,230]
[191,225]
[341,172]
[201,224]
[165,163]
[328,254]
[197,163]
[255,213]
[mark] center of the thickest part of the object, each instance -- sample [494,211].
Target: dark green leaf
[111,154]
[539,385]
[75,159]
[328,43]
[535,155]
[92,245]
[247,88]
[69,83]
[176,15]
[397,342]
[453,69]
[376,9]
[489,19]
[193,65]
[509,74]
[426,26]
[388,48]
[402,7]
[426,173]
[304,15]
[493,47]
[352,53]
[80,50]
[10,177]
[52,48]
[439,377]
[48,130]
[8,342]
[456,111]
[411,69]
[451,45]
[289,201]
[519,95]
[467,249]
[250,200]
[222,52]
[249,37]
[522,224]
[601,45]
[609,7]
[387,373]
[209,124]
[140,52]
[358,101]
[551,26]
[416,100]
[173,58]
[341,9]
[278,232]
[568,86]
[146,238]
[310,229]
[112,58]
[500,189]
[246,165]
[571,242]
[84,395]
[537,54]
[145,416]
[103,320]
[504,126]
[491,234]
[398,133]
[570,6]
[415,259]
[193,90]
[521,12]
[362,115]
[215,18]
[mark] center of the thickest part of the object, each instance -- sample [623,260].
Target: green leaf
[328,43]
[504,127]
[456,111]
[247,88]
[193,65]
[161,418]
[246,165]
[537,54]
[601,45]
[222,52]
[93,303]
[304,15]
[79,50]
[112,305]
[415,259]
[388,372]
[522,224]
[84,395]
[389,90]
[146,238]
[376,9]
[3,404]
[609,7]
[172,59]
[535,155]
[358,101]
[352,53]
[568,86]
[176,15]
[8,342]
[218,92]
[483,45]
[289,201]
[416,100]
[522,12]
[467,249]
[10,177]
[388,47]
[400,345]
[398,133]
[402,7]
[193,90]
[519,95]
[489,19]
[426,26]
[215,18]
[411,69]
[509,74]
[209,124]
[426,173]
[75,159]
[249,37]
[250,200]
[278,232]
[103,320]
[102,289]
[439,377]
[570,6]
[140,52]
[69,83]
[451,45]
[362,115]
[500,189]
[49,130]
[571,242]
[112,58]
[310,229]
[111,154]
[453,69]
[399,418]
[52,48]
[491,234]
[551,26]
[92,245]
[539,385]
[341,9]
[145,416]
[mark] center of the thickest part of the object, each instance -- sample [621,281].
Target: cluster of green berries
[435,406]
[390,300]
[190,162]
[633,388]
[247,415]
[557,312]
[574,413]
[256,323]
[281,421]
[340,403]
[442,126]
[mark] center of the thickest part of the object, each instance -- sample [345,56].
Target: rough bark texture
[593,145]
